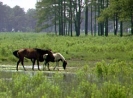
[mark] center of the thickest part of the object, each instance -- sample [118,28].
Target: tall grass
[79,48]
[105,80]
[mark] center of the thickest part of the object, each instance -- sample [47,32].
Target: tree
[5,15]
[16,19]
[77,18]
[119,10]
[30,20]
[86,17]
[70,19]
[67,11]
[19,19]
[45,14]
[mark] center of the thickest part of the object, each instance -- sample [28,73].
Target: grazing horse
[33,54]
[58,57]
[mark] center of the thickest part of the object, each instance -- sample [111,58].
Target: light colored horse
[58,57]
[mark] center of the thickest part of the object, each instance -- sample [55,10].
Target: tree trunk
[132,24]
[60,18]
[99,25]
[106,22]
[55,22]
[86,19]
[121,28]
[95,25]
[115,24]
[91,19]
[77,17]
[64,18]
[106,27]
[70,20]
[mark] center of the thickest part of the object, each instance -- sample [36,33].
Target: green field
[104,67]
[73,48]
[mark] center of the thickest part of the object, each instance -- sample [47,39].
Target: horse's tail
[15,53]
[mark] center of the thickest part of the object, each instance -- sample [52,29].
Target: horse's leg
[44,65]
[38,64]
[33,63]
[17,64]
[57,64]
[22,62]
[48,66]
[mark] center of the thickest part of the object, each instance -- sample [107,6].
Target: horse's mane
[42,51]
[61,56]
[38,50]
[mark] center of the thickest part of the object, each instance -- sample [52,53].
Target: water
[7,71]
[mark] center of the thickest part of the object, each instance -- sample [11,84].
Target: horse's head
[64,64]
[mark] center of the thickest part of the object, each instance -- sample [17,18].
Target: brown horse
[33,54]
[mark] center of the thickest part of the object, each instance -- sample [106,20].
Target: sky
[26,4]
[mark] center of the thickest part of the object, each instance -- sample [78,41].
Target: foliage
[123,8]
[116,82]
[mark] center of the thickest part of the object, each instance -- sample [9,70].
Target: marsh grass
[103,67]
[104,80]
[73,48]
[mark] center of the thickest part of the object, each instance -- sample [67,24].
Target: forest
[16,19]
[70,17]
[96,16]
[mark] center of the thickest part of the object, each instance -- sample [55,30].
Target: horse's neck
[48,52]
[41,51]
[58,56]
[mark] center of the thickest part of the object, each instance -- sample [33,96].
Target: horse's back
[28,53]
[58,56]
[41,51]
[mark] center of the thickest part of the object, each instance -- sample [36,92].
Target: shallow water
[7,71]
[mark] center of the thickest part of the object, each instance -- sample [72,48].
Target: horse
[33,54]
[58,57]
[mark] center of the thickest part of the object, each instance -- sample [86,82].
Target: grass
[73,48]
[104,67]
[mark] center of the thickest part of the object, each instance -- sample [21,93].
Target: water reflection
[7,71]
